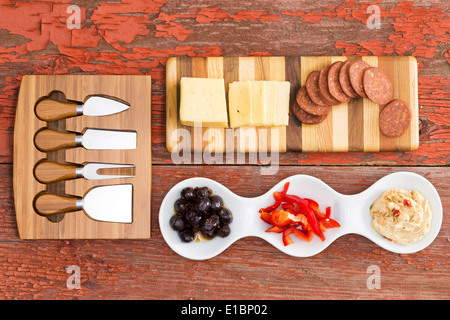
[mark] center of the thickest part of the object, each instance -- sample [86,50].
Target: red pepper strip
[265,216]
[306,236]
[276,229]
[315,206]
[328,223]
[279,200]
[309,213]
[282,218]
[327,212]
[286,239]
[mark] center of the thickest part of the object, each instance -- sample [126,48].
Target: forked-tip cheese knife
[47,140]
[106,203]
[48,171]
[52,110]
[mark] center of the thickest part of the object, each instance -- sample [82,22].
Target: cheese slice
[240,103]
[282,109]
[259,103]
[203,102]
[272,101]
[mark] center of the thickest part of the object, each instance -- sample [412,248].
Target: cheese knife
[50,140]
[106,203]
[52,110]
[48,171]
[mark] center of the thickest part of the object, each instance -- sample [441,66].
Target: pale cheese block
[203,102]
[240,103]
[259,103]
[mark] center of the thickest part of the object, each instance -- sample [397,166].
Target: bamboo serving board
[348,127]
[134,90]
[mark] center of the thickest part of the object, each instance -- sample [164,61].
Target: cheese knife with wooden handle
[105,203]
[49,171]
[52,110]
[47,140]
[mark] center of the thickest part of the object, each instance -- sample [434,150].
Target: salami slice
[305,102]
[305,117]
[323,88]
[377,86]
[395,118]
[344,80]
[312,88]
[334,86]
[356,74]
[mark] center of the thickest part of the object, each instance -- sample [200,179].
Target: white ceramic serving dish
[351,211]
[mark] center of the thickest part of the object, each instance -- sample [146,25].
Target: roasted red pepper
[265,216]
[281,218]
[276,229]
[328,223]
[309,213]
[306,236]
[278,201]
[297,215]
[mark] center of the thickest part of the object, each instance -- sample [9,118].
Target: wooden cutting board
[349,127]
[134,90]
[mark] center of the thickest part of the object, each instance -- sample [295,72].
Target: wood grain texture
[249,269]
[136,90]
[136,38]
[349,126]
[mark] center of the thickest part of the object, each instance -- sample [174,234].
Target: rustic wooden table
[137,37]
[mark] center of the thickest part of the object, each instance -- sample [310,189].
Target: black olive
[186,235]
[216,203]
[193,218]
[203,205]
[203,192]
[209,234]
[188,193]
[180,206]
[223,231]
[176,223]
[225,216]
[211,223]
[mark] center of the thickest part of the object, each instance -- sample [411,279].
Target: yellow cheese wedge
[259,103]
[203,102]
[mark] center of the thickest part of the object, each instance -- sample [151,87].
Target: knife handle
[50,140]
[48,172]
[52,110]
[47,204]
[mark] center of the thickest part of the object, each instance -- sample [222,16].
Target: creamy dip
[401,216]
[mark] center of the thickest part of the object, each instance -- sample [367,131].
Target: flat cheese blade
[110,203]
[109,139]
[100,106]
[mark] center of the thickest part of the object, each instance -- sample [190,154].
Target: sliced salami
[395,118]
[323,88]
[377,85]
[356,74]
[334,86]
[305,117]
[344,80]
[305,102]
[312,88]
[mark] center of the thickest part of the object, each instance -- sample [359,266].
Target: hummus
[401,216]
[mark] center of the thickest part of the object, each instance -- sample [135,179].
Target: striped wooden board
[350,126]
